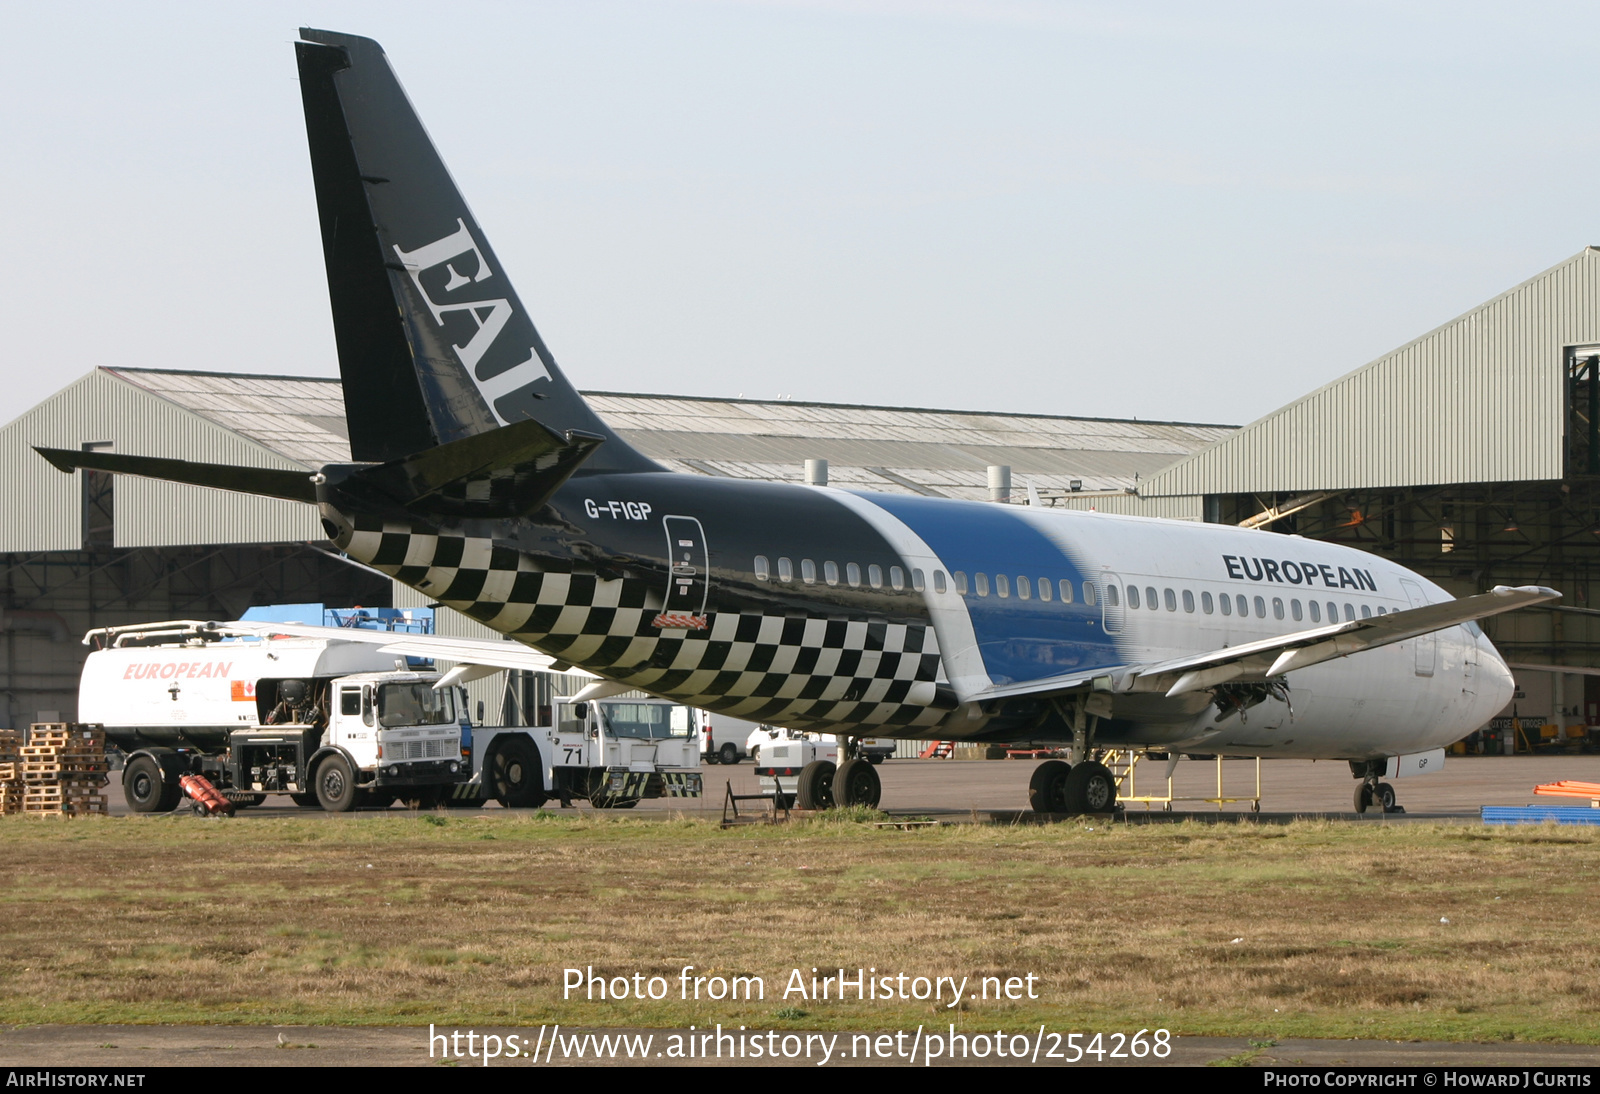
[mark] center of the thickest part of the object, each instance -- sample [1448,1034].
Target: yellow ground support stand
[1124,765]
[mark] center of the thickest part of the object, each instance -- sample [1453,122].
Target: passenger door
[1427,649]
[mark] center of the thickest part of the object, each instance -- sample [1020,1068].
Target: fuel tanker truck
[332,723]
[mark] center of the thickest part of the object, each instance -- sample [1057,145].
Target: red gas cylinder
[205,796]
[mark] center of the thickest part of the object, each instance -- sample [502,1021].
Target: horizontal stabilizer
[507,472]
[265,481]
[467,651]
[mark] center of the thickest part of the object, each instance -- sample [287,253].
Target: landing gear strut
[1372,795]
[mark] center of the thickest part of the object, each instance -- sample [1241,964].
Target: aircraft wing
[487,653]
[1281,654]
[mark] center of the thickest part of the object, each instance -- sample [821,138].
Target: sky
[1163,211]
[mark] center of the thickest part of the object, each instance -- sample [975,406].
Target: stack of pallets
[64,770]
[10,772]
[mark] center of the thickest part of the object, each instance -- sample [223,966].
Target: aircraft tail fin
[434,344]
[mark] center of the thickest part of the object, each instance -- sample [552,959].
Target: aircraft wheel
[336,785]
[856,783]
[815,786]
[1091,788]
[1384,798]
[1047,790]
[515,774]
[146,787]
[1363,797]
[728,753]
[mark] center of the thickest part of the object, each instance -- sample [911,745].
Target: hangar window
[961,581]
[830,572]
[897,578]
[1170,599]
[1261,608]
[980,584]
[1296,611]
[1024,588]
[1349,613]
[1227,604]
[1150,598]
[875,576]
[785,570]
[1111,593]
[762,572]
[1316,612]
[1366,611]
[1206,602]
[808,571]
[938,581]
[917,581]
[1133,596]
[1244,605]
[1046,588]
[1088,593]
[1277,607]
[852,574]
[1002,585]
[1188,601]
[1066,592]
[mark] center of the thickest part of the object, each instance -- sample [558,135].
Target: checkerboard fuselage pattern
[802,673]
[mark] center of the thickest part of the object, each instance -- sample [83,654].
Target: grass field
[1311,929]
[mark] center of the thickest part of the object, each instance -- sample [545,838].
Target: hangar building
[92,550]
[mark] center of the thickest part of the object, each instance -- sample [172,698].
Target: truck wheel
[755,754]
[516,774]
[145,786]
[421,797]
[711,757]
[728,753]
[857,784]
[306,801]
[336,785]
[814,789]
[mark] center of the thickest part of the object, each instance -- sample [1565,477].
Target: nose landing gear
[1373,795]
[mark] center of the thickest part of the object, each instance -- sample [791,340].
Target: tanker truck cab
[395,735]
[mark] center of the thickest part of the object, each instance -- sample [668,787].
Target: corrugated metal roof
[897,450]
[1480,399]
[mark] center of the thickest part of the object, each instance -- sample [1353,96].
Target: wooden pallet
[10,771]
[70,810]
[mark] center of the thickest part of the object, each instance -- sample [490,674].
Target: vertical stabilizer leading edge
[434,345]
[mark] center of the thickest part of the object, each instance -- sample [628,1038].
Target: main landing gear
[1372,795]
[1060,787]
[824,785]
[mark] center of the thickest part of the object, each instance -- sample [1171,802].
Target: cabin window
[1261,608]
[1046,588]
[1133,596]
[1170,599]
[1349,613]
[961,582]
[1111,593]
[785,570]
[350,702]
[1295,610]
[1366,611]
[938,581]
[1206,602]
[1024,588]
[1066,592]
[980,584]
[1277,607]
[917,581]
[808,571]
[830,572]
[1227,604]
[1002,585]
[1316,612]
[1150,598]
[762,572]
[1188,601]
[875,576]
[897,578]
[1088,593]
[1244,606]
[1382,610]
[852,574]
